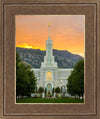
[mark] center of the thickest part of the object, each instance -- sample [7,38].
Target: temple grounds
[49,100]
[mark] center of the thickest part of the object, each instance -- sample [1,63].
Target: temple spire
[49,30]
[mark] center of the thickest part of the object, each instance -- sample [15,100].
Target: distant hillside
[34,57]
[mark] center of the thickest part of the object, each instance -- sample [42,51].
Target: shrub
[40,90]
[57,90]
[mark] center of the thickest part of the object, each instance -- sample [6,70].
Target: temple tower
[49,68]
[49,75]
[49,58]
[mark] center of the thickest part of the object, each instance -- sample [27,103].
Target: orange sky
[67,32]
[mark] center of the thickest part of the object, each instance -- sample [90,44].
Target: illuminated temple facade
[49,75]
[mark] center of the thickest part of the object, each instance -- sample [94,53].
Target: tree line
[25,78]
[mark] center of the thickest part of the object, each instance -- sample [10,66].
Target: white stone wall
[64,73]
[59,76]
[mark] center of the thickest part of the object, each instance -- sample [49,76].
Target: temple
[49,75]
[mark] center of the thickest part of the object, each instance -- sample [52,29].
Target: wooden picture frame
[8,108]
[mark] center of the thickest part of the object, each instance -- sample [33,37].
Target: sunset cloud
[28,47]
[67,32]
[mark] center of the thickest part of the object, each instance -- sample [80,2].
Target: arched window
[49,76]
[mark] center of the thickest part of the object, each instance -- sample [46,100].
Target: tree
[40,90]
[25,78]
[31,87]
[75,85]
[57,90]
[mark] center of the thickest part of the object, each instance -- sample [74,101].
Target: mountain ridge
[34,57]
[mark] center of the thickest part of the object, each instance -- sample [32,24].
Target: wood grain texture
[98,60]
[50,1]
[49,117]
[1,60]
[91,108]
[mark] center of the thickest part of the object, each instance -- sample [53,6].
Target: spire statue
[49,31]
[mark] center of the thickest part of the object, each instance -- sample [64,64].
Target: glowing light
[49,76]
[24,45]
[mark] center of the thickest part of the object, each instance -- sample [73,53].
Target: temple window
[49,76]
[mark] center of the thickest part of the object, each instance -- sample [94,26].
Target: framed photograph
[46,69]
[49,59]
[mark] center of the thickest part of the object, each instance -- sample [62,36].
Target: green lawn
[51,100]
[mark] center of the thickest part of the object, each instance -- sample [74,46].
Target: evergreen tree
[75,84]
[25,78]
